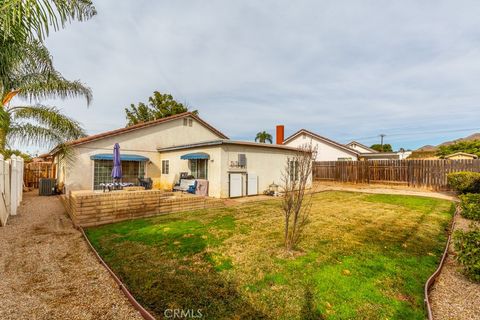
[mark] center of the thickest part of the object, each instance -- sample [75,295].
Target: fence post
[20,179]
[13,185]
[3,204]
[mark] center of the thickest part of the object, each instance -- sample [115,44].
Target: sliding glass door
[199,168]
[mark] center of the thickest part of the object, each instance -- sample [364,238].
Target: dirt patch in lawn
[48,272]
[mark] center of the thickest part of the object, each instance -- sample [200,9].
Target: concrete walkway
[48,272]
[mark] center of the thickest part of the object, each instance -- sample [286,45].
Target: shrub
[464,182]
[467,245]
[470,204]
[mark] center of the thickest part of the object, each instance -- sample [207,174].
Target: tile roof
[141,126]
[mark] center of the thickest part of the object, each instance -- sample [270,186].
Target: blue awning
[123,157]
[195,155]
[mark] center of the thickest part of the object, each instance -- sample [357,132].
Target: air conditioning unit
[46,187]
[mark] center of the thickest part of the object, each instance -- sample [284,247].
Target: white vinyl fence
[11,186]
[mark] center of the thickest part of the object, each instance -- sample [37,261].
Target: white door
[236,185]
[252,185]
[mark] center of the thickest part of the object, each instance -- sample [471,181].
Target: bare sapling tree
[297,204]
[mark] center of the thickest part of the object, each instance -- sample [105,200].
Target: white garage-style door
[236,185]
[252,185]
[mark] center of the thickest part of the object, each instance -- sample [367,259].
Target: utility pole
[381,140]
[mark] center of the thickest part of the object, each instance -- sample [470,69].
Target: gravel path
[453,296]
[48,272]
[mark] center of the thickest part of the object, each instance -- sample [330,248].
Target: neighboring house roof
[380,155]
[141,126]
[228,142]
[323,139]
[464,154]
[361,146]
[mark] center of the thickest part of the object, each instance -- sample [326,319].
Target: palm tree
[263,137]
[23,21]
[33,76]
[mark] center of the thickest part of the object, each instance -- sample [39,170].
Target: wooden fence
[431,174]
[36,170]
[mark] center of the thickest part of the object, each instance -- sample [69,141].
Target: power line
[418,133]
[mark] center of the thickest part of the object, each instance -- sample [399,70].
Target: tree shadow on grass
[161,282]
[309,311]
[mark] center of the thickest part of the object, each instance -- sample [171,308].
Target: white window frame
[166,166]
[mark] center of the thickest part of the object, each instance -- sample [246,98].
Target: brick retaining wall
[91,209]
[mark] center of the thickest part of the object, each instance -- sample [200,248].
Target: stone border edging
[143,312]
[431,281]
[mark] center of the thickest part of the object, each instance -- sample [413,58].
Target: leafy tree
[263,137]
[385,148]
[159,106]
[472,147]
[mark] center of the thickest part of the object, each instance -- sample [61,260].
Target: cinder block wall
[102,208]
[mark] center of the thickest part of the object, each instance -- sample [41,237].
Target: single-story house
[461,156]
[357,146]
[233,168]
[327,149]
[163,149]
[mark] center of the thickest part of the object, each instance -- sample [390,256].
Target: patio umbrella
[117,163]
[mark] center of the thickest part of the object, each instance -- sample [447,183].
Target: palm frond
[50,117]
[31,134]
[52,85]
[22,19]
[18,61]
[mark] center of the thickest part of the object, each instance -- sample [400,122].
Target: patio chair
[192,188]
[147,183]
[184,185]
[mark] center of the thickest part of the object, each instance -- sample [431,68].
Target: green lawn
[363,257]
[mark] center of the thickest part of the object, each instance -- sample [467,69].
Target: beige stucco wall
[145,141]
[325,151]
[178,165]
[267,163]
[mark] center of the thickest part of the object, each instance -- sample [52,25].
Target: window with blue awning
[123,157]
[195,156]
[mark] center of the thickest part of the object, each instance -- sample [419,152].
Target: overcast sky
[343,69]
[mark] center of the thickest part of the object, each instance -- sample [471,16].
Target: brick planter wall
[91,209]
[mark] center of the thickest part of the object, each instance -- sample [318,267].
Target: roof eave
[329,141]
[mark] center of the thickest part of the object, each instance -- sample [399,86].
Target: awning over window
[123,157]
[195,155]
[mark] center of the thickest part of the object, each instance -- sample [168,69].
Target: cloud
[346,70]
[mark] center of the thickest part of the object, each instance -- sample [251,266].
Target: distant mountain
[428,147]
[475,136]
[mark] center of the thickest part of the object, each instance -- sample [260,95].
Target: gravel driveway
[48,272]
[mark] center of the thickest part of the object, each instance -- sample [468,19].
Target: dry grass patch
[362,256]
